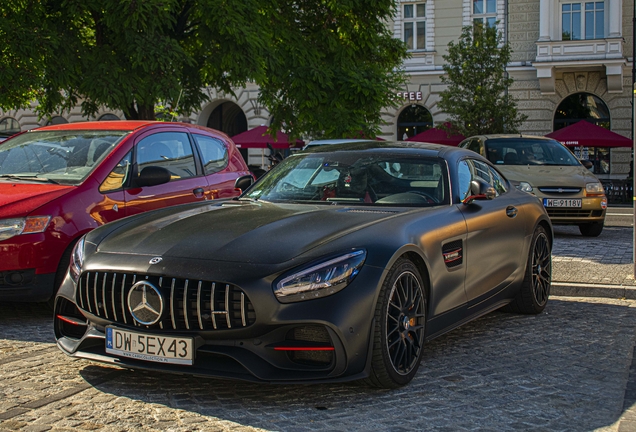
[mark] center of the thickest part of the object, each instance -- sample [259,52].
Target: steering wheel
[429,198]
[288,187]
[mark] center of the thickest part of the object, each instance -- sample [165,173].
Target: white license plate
[549,202]
[149,347]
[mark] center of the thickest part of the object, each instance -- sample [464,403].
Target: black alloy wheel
[541,269]
[400,327]
[535,289]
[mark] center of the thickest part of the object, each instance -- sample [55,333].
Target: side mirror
[587,163]
[243,182]
[152,176]
[480,190]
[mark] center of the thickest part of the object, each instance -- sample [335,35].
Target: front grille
[188,304]
[561,212]
[559,190]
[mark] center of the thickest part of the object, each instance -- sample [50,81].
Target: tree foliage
[476,98]
[325,67]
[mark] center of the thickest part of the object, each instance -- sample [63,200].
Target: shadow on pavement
[565,369]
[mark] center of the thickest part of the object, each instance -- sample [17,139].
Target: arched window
[56,120]
[413,120]
[9,126]
[108,117]
[586,106]
[582,106]
[229,118]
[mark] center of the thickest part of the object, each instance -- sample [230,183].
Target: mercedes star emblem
[145,303]
[155,260]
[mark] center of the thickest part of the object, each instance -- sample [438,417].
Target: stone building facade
[551,66]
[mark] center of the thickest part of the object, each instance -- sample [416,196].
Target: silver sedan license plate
[550,202]
[149,347]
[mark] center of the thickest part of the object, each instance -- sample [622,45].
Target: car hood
[20,199]
[258,233]
[542,175]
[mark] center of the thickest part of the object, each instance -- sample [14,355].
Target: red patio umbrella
[586,134]
[258,138]
[437,136]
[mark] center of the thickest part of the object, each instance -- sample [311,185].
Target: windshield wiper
[29,178]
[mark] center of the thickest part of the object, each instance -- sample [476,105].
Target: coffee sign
[412,96]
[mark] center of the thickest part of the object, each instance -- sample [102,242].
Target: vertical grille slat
[123,303]
[174,324]
[185,305]
[199,305]
[88,291]
[227,306]
[212,306]
[243,309]
[104,302]
[186,308]
[95,294]
[114,303]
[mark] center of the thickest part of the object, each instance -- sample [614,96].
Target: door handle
[511,211]
[198,192]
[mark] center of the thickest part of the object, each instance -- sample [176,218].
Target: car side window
[465,177]
[476,146]
[118,176]
[169,150]
[213,153]
[498,182]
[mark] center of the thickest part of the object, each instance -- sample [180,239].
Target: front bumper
[252,352]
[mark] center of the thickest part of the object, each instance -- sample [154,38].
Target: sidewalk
[593,267]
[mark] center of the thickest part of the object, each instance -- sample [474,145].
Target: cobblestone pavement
[606,259]
[564,370]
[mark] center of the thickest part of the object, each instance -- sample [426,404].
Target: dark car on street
[59,182]
[338,264]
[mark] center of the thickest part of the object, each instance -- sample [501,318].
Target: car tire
[400,325]
[593,229]
[535,289]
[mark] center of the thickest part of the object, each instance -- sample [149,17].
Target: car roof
[424,149]
[123,125]
[512,136]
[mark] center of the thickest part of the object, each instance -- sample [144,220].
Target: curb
[572,289]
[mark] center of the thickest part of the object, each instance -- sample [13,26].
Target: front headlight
[28,225]
[320,280]
[525,186]
[592,189]
[77,260]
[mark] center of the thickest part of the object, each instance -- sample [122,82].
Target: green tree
[476,98]
[325,67]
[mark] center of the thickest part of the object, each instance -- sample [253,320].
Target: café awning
[437,136]
[586,134]
[259,138]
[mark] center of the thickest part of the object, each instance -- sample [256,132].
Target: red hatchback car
[59,182]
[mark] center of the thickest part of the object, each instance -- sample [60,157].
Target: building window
[413,120]
[582,20]
[414,21]
[484,13]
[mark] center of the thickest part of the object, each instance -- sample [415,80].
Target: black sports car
[338,264]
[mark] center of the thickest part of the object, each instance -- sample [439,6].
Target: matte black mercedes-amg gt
[339,264]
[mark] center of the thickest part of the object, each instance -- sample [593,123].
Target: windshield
[522,151]
[355,178]
[65,157]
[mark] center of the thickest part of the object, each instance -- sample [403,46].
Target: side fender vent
[453,253]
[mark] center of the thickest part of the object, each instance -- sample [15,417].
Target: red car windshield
[65,157]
